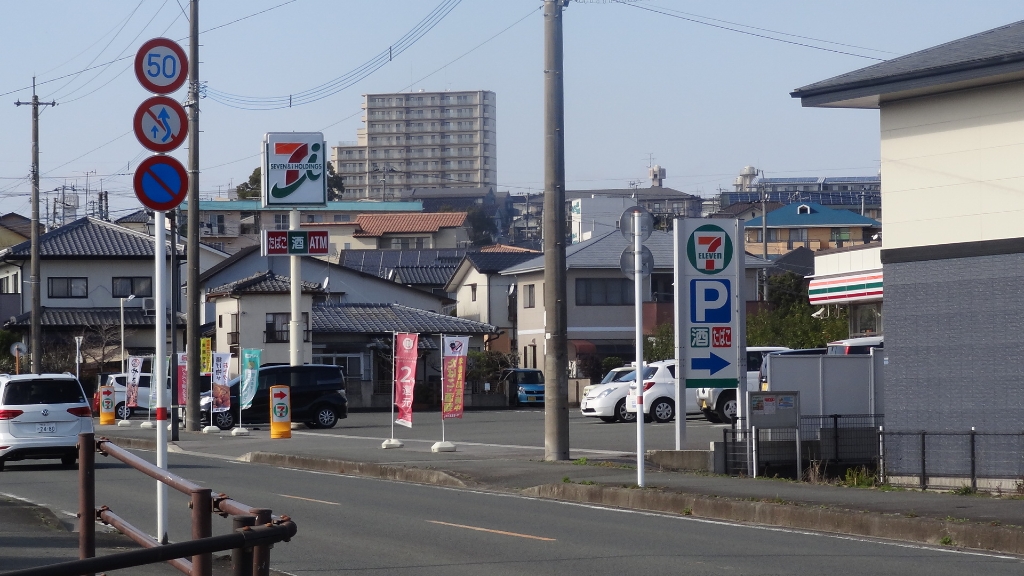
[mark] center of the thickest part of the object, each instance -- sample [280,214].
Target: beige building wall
[250,312]
[848,262]
[951,169]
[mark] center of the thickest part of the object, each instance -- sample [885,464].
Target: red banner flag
[405,376]
[454,351]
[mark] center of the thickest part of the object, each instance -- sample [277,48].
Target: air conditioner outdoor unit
[149,306]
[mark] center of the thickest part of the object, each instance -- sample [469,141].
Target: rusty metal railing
[254,529]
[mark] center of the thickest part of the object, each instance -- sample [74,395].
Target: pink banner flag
[454,351]
[182,382]
[405,376]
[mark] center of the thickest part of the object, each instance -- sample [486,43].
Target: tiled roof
[996,51]
[387,318]
[88,238]
[603,252]
[491,262]
[138,217]
[90,317]
[438,275]
[819,215]
[507,248]
[19,224]
[216,268]
[262,283]
[380,263]
[376,225]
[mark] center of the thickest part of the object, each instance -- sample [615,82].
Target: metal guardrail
[255,529]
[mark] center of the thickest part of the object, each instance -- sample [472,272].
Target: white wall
[951,169]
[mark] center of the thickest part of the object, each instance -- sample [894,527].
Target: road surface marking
[310,500]
[502,532]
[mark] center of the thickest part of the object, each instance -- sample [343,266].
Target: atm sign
[296,243]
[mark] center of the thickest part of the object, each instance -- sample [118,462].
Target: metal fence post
[974,474]
[202,511]
[835,436]
[86,496]
[726,449]
[261,553]
[753,435]
[241,558]
[881,454]
[924,475]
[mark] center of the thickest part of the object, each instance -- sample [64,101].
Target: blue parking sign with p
[710,301]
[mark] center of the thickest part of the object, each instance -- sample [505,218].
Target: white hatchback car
[41,416]
[659,393]
[607,400]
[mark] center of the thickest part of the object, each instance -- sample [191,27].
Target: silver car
[41,416]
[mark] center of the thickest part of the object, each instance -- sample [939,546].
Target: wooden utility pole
[556,355]
[36,348]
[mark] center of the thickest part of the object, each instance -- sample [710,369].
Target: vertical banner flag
[221,392]
[454,350]
[131,391]
[405,376]
[182,375]
[205,356]
[250,376]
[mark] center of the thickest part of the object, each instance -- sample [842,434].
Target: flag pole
[391,442]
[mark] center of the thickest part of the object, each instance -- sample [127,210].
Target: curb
[380,471]
[873,525]
[131,443]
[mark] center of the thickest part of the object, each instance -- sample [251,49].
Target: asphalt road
[359,525]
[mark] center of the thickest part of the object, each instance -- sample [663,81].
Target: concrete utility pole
[36,317]
[764,237]
[192,254]
[556,356]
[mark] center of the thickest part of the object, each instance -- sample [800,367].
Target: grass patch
[687,511]
[581,461]
[946,540]
[566,480]
[964,490]
[859,477]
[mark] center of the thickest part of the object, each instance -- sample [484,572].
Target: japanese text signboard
[711,261]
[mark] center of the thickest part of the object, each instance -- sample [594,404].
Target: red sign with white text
[453,372]
[405,376]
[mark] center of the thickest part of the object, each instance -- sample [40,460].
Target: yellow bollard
[280,412]
[107,403]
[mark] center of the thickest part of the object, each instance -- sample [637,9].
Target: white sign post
[710,312]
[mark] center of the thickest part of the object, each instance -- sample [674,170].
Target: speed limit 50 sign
[161,66]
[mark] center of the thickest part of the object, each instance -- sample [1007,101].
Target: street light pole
[123,300]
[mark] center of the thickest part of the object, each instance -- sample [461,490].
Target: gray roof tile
[262,283]
[90,317]
[88,238]
[387,318]
[491,262]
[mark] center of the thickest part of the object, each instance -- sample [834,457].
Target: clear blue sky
[704,101]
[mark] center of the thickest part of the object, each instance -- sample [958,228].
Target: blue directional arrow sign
[713,363]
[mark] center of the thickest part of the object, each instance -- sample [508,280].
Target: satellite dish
[326,281]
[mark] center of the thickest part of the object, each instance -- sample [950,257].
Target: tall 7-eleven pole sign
[710,310]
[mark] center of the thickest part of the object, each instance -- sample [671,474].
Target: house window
[125,286]
[342,217]
[281,222]
[409,243]
[67,287]
[803,209]
[278,327]
[10,285]
[799,234]
[604,292]
[472,292]
[529,296]
[840,234]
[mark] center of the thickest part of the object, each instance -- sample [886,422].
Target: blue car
[525,386]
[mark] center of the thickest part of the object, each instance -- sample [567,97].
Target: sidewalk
[973,521]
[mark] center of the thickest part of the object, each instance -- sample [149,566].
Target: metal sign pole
[638,301]
[159,378]
[679,305]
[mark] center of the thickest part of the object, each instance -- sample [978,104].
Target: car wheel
[224,420]
[608,419]
[123,412]
[68,461]
[727,407]
[663,410]
[622,414]
[326,417]
[711,416]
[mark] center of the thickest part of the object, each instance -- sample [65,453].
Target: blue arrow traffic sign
[161,183]
[714,363]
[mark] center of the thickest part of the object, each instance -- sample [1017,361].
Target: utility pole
[556,360]
[37,331]
[764,236]
[192,255]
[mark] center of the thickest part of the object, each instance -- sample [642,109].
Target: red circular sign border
[141,171]
[175,142]
[140,72]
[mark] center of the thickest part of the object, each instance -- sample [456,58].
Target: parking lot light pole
[123,300]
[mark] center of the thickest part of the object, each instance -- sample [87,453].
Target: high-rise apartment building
[420,140]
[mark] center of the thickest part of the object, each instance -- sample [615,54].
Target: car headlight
[605,393]
[522,390]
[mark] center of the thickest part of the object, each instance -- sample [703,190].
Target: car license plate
[44,428]
[531,398]
[632,403]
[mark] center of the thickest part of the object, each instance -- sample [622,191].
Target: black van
[317,396]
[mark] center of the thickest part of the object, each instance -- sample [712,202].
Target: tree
[481,227]
[787,321]
[250,190]
[661,345]
[335,184]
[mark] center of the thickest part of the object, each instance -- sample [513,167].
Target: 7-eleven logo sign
[709,249]
[293,168]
